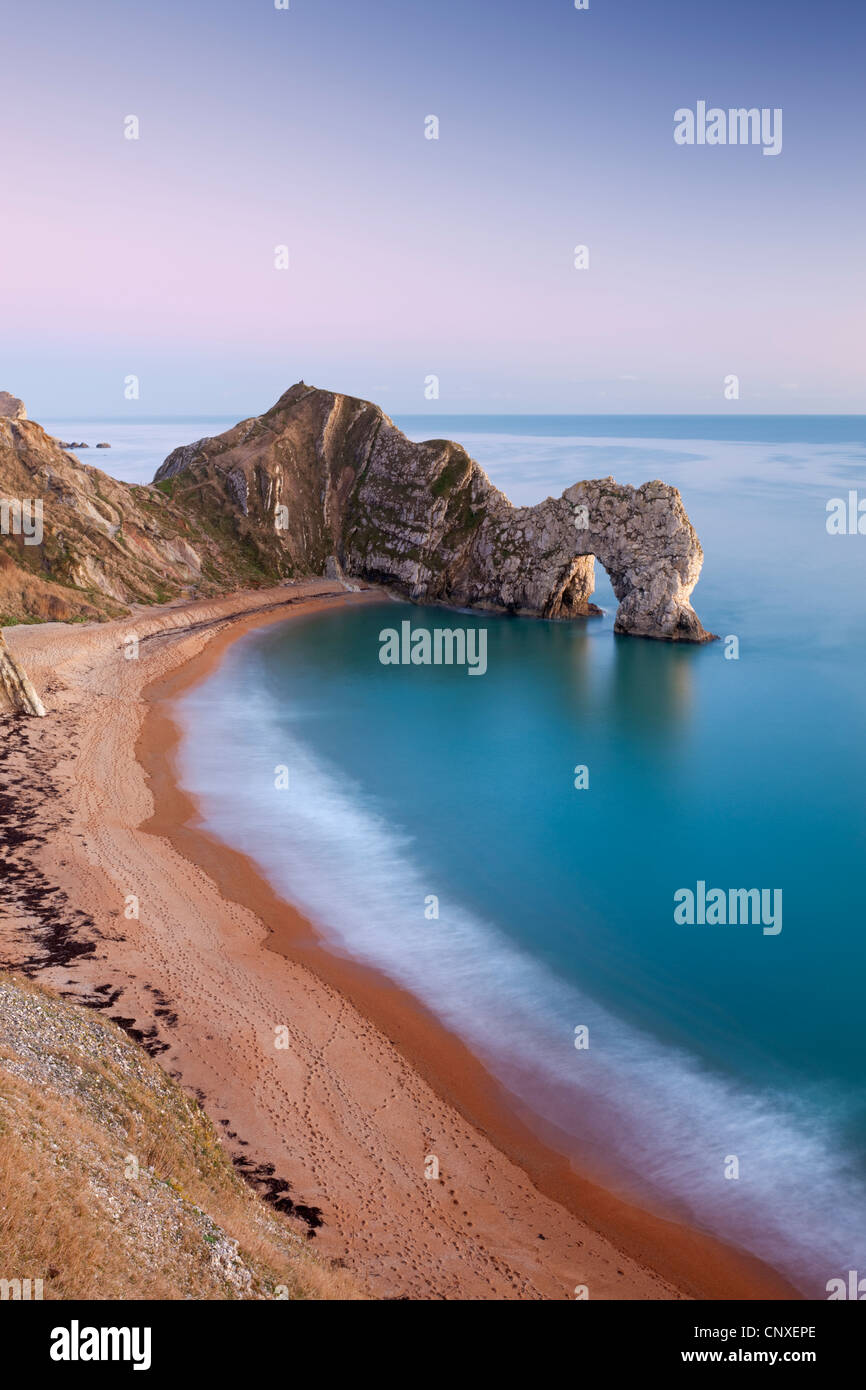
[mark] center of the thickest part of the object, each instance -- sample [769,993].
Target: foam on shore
[663,1119]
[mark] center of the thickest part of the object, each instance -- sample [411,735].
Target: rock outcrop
[326,484]
[16,691]
[323,478]
[11,408]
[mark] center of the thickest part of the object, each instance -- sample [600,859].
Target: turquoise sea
[714,1050]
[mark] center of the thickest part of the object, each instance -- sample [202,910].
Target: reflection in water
[637,683]
[651,682]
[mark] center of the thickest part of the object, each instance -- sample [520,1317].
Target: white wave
[669,1120]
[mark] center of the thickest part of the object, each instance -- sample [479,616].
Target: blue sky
[411,257]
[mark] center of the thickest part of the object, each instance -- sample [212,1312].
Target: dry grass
[113,1184]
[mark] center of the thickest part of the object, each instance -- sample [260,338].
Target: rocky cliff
[76,545]
[326,484]
[327,480]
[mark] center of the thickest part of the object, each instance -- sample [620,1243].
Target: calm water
[138,447]
[556,905]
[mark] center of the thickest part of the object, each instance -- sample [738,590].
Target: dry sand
[339,1123]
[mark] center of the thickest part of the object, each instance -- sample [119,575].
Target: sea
[512,848]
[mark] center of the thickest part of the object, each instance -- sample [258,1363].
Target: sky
[411,258]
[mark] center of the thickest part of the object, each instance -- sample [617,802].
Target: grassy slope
[83,1110]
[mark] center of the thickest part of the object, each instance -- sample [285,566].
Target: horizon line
[499,414]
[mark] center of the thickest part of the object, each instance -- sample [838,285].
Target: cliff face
[351,492]
[326,484]
[97,545]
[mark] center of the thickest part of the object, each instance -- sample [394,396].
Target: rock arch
[539,560]
[424,519]
[471,548]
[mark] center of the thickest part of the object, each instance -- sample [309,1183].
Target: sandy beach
[216,968]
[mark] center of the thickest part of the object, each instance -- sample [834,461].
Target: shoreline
[589,1235]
